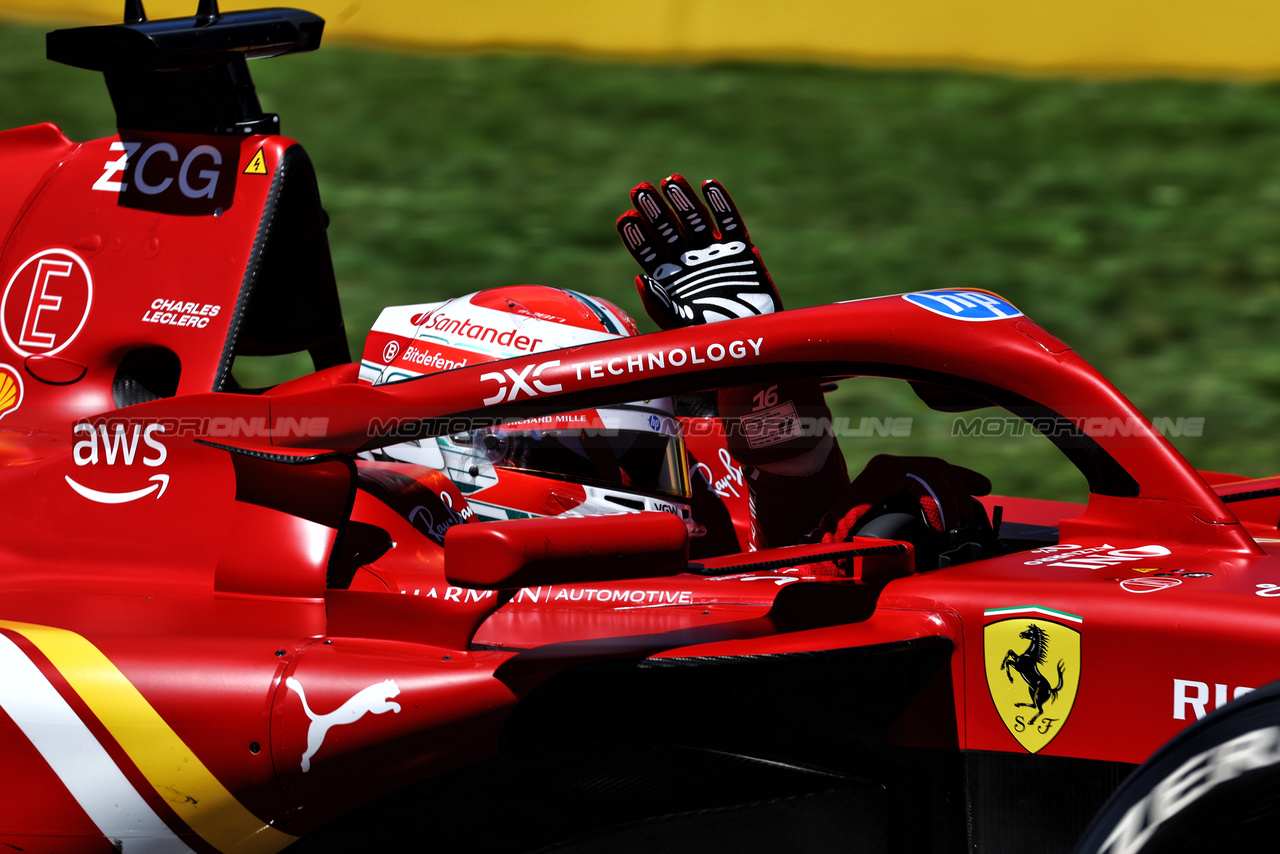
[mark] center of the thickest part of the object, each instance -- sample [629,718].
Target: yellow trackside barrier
[1232,38]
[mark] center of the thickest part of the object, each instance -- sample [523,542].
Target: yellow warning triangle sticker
[257,166]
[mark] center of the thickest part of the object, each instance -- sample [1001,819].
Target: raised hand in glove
[699,264]
[700,267]
[924,500]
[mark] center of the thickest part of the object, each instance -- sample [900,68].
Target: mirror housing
[565,550]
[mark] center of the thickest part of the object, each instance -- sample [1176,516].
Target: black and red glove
[937,496]
[699,265]
[941,492]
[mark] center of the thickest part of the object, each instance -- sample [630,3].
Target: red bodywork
[169,605]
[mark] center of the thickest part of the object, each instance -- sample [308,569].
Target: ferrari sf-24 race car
[230,622]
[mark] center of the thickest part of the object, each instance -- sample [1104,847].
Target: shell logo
[10,389]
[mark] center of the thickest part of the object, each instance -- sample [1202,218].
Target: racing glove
[930,495]
[699,265]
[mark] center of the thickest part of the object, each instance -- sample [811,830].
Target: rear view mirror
[565,550]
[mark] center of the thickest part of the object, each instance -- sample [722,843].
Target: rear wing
[187,75]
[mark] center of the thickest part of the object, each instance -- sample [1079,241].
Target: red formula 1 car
[227,624]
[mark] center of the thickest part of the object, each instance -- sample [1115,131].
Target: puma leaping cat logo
[376,699]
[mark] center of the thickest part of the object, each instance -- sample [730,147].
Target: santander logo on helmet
[485,326]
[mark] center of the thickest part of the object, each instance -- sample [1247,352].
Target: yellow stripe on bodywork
[176,773]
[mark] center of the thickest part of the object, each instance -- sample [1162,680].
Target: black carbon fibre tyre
[1213,787]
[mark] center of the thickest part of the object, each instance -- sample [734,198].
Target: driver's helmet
[609,460]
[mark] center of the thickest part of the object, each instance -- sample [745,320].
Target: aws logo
[512,382]
[124,445]
[1033,672]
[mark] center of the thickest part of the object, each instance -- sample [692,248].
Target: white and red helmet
[609,460]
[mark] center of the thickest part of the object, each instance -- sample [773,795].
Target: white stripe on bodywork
[79,760]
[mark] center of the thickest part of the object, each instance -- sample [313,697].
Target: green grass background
[1139,221]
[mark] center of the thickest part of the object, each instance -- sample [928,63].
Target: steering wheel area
[902,518]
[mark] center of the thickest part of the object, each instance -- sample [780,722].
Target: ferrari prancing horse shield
[1033,672]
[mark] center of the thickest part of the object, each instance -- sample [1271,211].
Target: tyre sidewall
[1214,786]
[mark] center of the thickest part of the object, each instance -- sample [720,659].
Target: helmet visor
[650,460]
